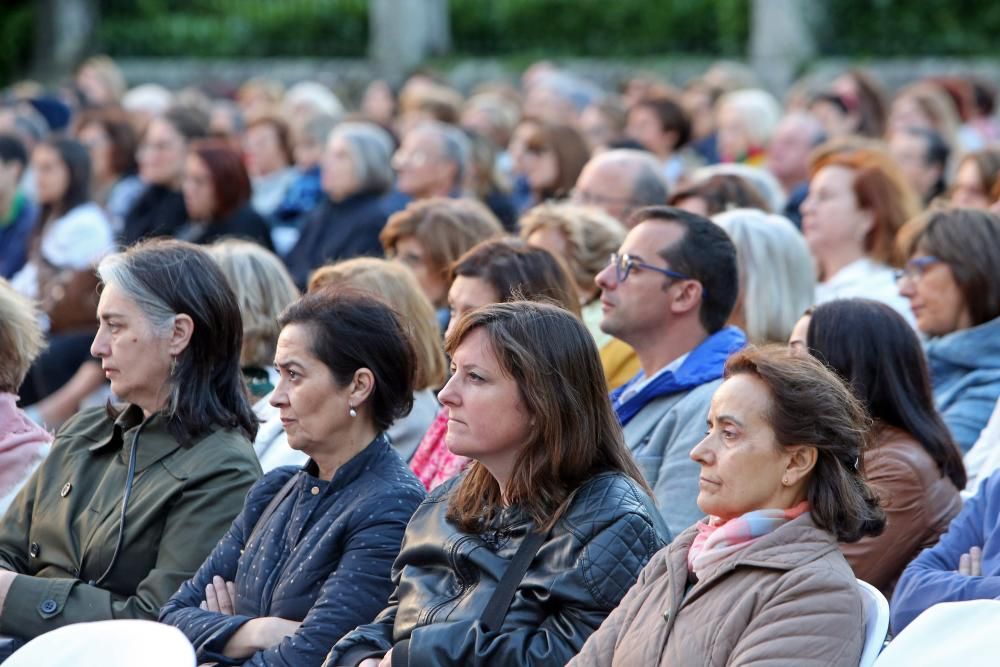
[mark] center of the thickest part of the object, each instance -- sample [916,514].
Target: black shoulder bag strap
[496,608]
[272,506]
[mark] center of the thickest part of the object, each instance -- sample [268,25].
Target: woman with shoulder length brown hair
[528,402]
[494,271]
[762,580]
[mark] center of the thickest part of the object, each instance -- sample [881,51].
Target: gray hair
[117,269]
[777,274]
[649,186]
[371,149]
[455,146]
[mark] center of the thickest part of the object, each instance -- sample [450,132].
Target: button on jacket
[62,528]
[445,577]
[323,558]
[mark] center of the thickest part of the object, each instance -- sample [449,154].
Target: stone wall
[349,77]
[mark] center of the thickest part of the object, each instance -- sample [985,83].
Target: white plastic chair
[876,609]
[107,644]
[950,633]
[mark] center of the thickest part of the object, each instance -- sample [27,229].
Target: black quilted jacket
[445,577]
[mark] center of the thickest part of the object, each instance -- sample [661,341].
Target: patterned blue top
[323,558]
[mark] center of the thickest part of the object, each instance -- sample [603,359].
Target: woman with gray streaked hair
[777,275]
[356,177]
[133,497]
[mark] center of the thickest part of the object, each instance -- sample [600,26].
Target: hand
[971,564]
[386,660]
[258,634]
[220,596]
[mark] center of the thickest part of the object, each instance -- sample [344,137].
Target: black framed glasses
[915,268]
[625,263]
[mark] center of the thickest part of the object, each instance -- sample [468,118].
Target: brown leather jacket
[919,503]
[788,599]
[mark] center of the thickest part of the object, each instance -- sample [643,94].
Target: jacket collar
[703,364]
[798,542]
[156,442]
[972,348]
[364,460]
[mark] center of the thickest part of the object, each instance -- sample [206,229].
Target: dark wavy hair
[76,159]
[810,405]
[555,363]
[351,330]
[878,354]
[165,278]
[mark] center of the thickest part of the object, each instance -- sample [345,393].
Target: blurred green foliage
[880,28]
[234,28]
[513,28]
[16,25]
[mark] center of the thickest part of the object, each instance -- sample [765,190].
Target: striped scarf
[717,540]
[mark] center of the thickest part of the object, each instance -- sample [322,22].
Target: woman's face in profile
[134,359]
[797,341]
[742,465]
[487,420]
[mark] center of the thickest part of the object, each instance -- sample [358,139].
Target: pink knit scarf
[22,444]
[717,540]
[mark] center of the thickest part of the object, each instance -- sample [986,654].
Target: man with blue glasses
[668,293]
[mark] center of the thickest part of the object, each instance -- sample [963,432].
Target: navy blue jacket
[340,230]
[324,558]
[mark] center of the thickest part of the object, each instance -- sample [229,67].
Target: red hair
[230,180]
[881,189]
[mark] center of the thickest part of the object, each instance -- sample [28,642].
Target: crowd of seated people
[538,373]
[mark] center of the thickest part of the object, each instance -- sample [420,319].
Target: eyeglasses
[915,268]
[624,264]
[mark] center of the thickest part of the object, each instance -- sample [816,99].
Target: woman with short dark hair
[952,284]
[761,581]
[160,211]
[309,557]
[131,498]
[914,465]
[553,506]
[216,191]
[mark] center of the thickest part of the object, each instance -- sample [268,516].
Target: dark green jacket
[62,527]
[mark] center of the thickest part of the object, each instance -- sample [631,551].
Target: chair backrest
[122,643]
[876,609]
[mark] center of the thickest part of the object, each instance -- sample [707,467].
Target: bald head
[793,140]
[620,181]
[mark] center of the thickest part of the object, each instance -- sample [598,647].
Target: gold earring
[784,480]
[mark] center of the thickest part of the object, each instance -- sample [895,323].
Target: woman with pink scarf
[23,444]
[762,579]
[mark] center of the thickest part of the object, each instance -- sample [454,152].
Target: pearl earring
[352,412]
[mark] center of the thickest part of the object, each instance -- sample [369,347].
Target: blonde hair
[396,285]
[21,338]
[263,289]
[777,276]
[591,236]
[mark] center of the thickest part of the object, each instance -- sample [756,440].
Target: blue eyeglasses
[915,268]
[625,263]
